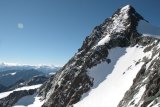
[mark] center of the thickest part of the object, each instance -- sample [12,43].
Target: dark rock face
[10,100]
[67,86]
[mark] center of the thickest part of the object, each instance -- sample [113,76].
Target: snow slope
[5,94]
[108,90]
[104,40]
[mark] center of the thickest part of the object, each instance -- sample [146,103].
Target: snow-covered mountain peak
[126,8]
[120,30]
[114,29]
[115,67]
[124,18]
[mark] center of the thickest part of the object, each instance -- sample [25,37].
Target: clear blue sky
[51,31]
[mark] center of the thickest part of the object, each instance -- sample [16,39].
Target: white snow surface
[13,73]
[125,8]
[5,94]
[52,73]
[119,21]
[147,29]
[111,81]
[104,40]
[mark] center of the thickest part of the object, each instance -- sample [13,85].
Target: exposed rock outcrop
[10,100]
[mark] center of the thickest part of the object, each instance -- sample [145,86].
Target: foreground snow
[108,90]
[5,94]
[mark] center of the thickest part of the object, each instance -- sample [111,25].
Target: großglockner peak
[105,71]
[117,66]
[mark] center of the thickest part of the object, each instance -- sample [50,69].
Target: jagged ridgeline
[117,66]
[91,79]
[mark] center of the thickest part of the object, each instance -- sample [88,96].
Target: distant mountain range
[13,75]
[10,77]
[42,68]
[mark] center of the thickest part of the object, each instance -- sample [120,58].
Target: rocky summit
[118,65]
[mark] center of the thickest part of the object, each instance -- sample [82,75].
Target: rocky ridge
[72,81]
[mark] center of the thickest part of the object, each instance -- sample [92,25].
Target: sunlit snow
[104,40]
[5,94]
[114,79]
[13,73]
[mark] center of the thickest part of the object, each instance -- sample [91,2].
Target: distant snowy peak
[13,66]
